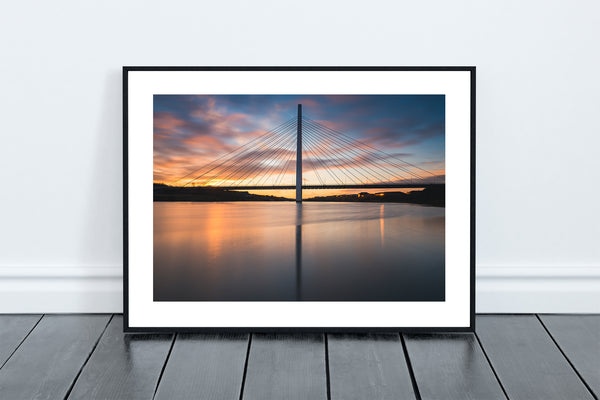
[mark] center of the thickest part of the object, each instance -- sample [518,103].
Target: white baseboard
[92,289]
[563,289]
[49,289]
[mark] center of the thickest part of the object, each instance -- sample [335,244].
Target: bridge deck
[349,186]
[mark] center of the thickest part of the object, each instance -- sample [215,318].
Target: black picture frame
[126,278]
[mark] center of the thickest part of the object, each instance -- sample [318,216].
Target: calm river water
[281,251]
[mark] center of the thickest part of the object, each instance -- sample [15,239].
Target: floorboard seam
[162,370]
[490,364]
[327,374]
[21,342]
[566,358]
[411,372]
[246,366]
[88,358]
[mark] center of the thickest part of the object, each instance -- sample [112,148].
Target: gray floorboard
[205,366]
[578,336]
[47,363]
[286,366]
[526,360]
[123,366]
[451,366]
[368,366]
[13,329]
[79,356]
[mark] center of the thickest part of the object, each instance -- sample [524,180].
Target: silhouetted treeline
[173,193]
[433,196]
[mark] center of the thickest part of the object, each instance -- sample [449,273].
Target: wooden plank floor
[509,356]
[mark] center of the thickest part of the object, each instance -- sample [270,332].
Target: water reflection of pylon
[298,251]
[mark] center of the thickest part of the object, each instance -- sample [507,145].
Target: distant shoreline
[429,196]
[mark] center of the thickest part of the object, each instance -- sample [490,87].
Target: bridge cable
[247,158]
[317,157]
[256,163]
[345,171]
[241,169]
[366,145]
[384,171]
[236,150]
[245,148]
[248,167]
[281,154]
[243,160]
[319,152]
[347,145]
[284,169]
[363,162]
[313,163]
[354,166]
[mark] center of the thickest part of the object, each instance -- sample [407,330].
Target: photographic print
[299,198]
[295,196]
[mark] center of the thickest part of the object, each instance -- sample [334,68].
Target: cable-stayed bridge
[320,156]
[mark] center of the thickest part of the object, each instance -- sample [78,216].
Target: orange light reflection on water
[382,225]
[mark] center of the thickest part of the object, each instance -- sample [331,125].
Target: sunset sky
[191,131]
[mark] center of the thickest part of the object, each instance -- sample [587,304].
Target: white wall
[538,100]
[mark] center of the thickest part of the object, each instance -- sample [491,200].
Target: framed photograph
[299,198]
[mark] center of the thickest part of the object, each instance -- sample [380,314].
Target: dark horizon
[432,195]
